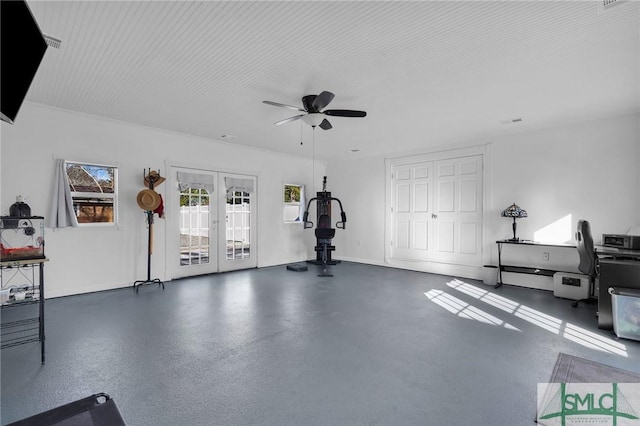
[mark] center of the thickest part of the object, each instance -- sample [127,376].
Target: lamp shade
[513,211]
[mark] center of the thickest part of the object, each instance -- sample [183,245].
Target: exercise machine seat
[325,233]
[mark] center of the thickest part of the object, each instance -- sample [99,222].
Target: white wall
[638,166]
[92,259]
[587,170]
[360,186]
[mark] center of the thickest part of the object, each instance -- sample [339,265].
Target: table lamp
[514,211]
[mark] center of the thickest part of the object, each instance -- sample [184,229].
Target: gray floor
[371,345]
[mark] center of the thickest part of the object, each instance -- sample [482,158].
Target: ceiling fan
[314,112]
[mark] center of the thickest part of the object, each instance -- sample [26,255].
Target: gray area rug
[572,369]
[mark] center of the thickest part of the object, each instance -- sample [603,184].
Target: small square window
[293,203]
[94,192]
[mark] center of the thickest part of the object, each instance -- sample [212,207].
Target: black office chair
[588,260]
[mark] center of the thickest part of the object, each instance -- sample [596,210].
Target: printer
[621,241]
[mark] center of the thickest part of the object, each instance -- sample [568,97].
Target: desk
[618,268]
[525,269]
[617,252]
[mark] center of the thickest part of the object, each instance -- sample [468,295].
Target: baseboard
[462,271]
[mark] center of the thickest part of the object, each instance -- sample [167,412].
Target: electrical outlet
[545,256]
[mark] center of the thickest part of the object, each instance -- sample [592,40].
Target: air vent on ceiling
[511,120]
[52,41]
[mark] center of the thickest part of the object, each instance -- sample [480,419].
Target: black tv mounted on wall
[22,47]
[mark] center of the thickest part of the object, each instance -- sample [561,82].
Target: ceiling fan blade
[322,100]
[307,102]
[345,113]
[283,105]
[286,120]
[325,125]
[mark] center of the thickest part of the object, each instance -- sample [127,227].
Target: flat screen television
[22,48]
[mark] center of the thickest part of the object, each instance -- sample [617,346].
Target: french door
[192,233]
[436,210]
[238,221]
[211,227]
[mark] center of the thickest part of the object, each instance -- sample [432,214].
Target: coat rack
[151,179]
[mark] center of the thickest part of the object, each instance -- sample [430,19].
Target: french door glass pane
[194,226]
[238,225]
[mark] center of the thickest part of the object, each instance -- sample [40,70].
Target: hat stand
[149,213]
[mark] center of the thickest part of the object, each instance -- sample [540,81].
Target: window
[238,225]
[293,203]
[94,192]
[194,225]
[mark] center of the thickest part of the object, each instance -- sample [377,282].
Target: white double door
[436,211]
[210,228]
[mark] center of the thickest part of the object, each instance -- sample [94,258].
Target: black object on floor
[94,410]
[297,267]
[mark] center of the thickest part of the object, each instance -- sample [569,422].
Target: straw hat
[148,199]
[155,177]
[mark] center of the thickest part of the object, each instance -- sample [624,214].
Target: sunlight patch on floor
[538,318]
[464,310]
[492,299]
[593,340]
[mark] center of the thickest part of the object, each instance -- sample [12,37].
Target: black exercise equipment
[324,232]
[297,267]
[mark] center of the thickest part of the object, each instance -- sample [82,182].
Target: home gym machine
[324,231]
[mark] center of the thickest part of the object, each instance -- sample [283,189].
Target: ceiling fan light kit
[314,112]
[313,119]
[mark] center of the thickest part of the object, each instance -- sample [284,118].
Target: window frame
[103,195]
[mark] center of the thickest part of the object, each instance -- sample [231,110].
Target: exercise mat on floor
[572,369]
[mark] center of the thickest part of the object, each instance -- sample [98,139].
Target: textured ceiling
[427,73]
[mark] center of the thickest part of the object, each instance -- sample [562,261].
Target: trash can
[626,312]
[490,275]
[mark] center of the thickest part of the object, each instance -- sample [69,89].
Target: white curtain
[195,181]
[238,184]
[61,214]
